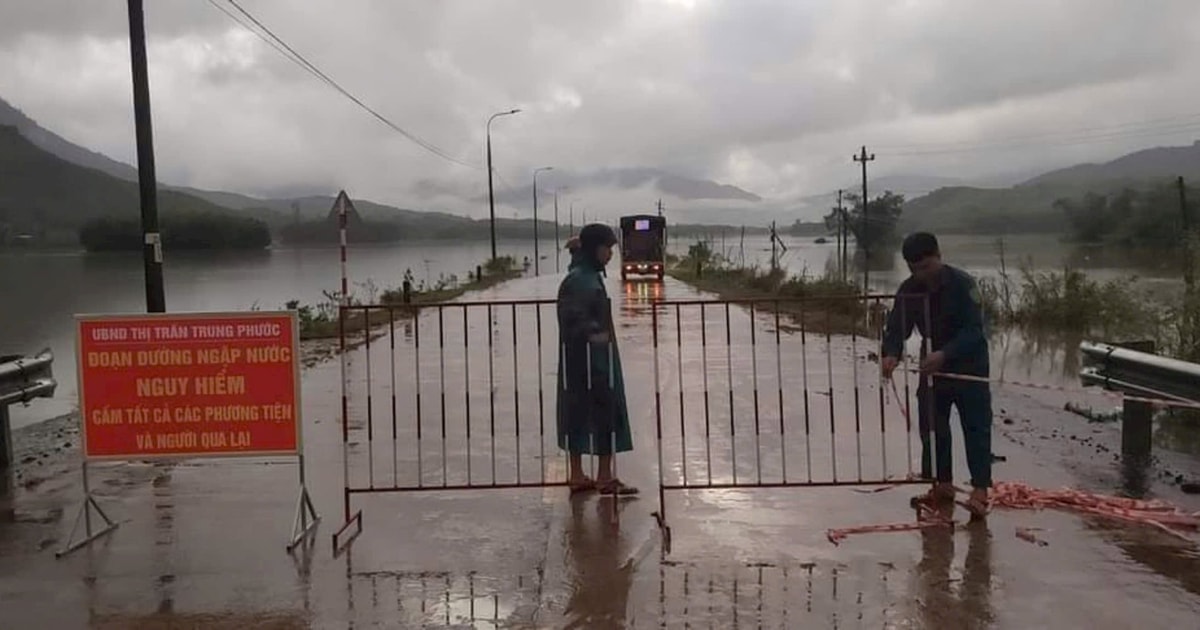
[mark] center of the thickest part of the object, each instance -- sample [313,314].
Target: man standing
[944,304]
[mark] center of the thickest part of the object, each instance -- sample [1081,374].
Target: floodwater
[201,542]
[44,290]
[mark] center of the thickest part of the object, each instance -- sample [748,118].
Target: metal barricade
[779,393]
[424,410]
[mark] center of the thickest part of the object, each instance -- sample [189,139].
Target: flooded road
[201,543]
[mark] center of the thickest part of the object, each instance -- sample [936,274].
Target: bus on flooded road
[643,246]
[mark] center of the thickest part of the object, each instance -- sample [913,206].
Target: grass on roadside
[320,320]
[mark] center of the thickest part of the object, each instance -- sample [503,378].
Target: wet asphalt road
[201,543]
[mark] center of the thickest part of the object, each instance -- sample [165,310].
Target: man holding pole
[944,304]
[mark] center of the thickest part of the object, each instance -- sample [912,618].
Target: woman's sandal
[615,487]
[586,485]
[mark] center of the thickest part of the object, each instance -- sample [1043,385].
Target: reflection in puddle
[438,598]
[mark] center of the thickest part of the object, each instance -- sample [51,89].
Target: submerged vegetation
[1068,303]
[822,303]
[320,320]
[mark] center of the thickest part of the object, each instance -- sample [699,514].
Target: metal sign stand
[85,514]
[306,515]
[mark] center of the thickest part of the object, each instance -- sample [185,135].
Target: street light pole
[491,197]
[536,261]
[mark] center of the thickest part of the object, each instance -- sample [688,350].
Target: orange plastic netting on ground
[1019,496]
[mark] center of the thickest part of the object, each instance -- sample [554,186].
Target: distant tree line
[878,230]
[1144,218]
[193,231]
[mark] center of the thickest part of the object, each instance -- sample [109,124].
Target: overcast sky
[770,96]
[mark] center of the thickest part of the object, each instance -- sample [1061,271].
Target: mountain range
[51,184]
[1029,205]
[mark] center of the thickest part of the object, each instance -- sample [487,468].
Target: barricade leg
[85,515]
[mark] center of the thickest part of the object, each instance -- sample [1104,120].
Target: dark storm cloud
[770,96]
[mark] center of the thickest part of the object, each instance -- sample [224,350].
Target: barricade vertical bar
[492,394]
[446,590]
[683,461]
[760,595]
[704,366]
[370,405]
[391,313]
[467,384]
[729,374]
[829,366]
[857,408]
[416,316]
[711,592]
[804,384]
[929,434]
[587,353]
[612,425]
[442,370]
[754,386]
[779,382]
[904,368]
[345,410]
[517,394]
[735,601]
[686,594]
[658,420]
[541,395]
[876,307]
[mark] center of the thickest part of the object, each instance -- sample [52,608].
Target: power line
[299,59]
[264,38]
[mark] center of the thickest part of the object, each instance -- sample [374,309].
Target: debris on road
[1015,495]
[1027,534]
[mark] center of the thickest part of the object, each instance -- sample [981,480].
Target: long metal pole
[536,265]
[557,245]
[536,257]
[863,236]
[491,196]
[1188,278]
[152,255]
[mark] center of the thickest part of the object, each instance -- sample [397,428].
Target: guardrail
[1134,369]
[21,380]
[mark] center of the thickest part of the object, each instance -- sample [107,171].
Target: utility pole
[863,235]
[774,260]
[1191,326]
[1188,273]
[660,208]
[152,256]
[571,225]
[841,236]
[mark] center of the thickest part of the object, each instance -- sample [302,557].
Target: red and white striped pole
[341,209]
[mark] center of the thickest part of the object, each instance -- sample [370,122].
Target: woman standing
[593,417]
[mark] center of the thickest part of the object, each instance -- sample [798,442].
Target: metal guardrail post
[1137,421]
[6,448]
[21,380]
